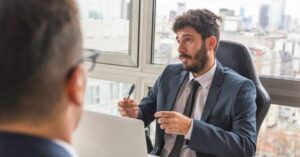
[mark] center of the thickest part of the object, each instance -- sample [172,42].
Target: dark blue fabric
[227,127]
[20,145]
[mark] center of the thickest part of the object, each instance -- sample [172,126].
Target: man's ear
[211,43]
[75,86]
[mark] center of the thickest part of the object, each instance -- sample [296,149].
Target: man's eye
[188,39]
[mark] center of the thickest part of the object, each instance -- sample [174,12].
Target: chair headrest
[237,57]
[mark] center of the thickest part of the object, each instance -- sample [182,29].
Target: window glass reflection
[105,23]
[280,133]
[102,95]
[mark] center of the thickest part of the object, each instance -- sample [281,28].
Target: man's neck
[207,67]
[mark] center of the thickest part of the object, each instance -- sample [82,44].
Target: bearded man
[202,108]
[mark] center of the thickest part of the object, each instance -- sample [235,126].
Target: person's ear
[75,86]
[211,43]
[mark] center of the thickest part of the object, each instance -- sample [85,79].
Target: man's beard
[201,58]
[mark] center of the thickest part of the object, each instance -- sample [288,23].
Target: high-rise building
[125,10]
[230,22]
[276,14]
[263,16]
[181,8]
[242,13]
[226,12]
[172,16]
[287,22]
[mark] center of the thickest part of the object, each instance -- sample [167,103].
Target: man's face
[192,50]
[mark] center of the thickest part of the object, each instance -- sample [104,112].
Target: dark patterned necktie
[194,85]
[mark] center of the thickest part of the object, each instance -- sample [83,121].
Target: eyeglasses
[89,56]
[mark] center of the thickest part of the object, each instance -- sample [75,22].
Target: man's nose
[181,48]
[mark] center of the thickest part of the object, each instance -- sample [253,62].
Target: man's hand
[173,122]
[128,108]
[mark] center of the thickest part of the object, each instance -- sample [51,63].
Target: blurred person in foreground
[42,80]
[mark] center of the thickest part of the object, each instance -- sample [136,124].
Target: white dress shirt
[202,92]
[66,146]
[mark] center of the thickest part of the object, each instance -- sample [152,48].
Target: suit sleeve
[237,142]
[148,105]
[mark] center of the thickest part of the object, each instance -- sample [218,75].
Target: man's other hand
[173,122]
[128,108]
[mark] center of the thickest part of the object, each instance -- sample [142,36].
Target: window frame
[129,59]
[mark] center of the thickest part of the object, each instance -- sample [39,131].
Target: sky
[251,6]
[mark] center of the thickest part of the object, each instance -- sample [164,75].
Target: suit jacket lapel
[214,92]
[176,84]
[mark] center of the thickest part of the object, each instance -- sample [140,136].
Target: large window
[103,95]
[280,133]
[136,42]
[104,23]
[107,27]
[270,28]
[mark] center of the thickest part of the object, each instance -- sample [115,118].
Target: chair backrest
[237,57]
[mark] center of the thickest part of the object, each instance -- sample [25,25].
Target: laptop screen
[102,135]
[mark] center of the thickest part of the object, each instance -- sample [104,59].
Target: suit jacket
[227,127]
[20,145]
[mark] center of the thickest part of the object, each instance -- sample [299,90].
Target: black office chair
[237,57]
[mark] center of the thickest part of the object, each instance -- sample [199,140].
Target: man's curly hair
[205,22]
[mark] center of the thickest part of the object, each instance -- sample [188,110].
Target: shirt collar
[205,79]
[66,146]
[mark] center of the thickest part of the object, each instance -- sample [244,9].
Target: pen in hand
[130,91]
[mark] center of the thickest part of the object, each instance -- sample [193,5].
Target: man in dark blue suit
[202,108]
[41,78]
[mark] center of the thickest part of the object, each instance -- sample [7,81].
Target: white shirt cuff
[189,134]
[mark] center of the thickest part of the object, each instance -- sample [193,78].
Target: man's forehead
[185,32]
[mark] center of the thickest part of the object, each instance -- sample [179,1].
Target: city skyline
[252,7]
[274,40]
